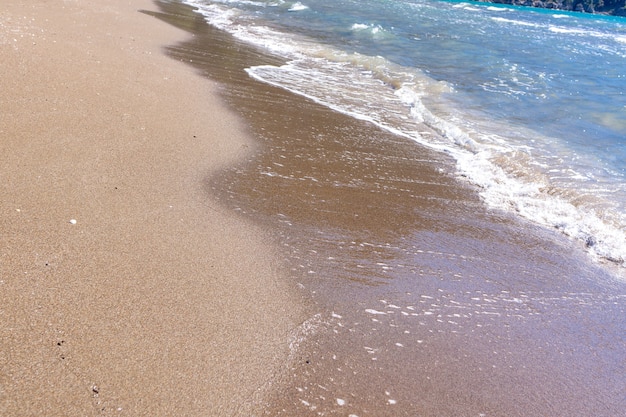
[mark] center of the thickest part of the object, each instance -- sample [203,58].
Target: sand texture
[124,288]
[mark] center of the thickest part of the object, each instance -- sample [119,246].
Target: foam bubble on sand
[307,404]
[375,312]
[341,401]
[305,329]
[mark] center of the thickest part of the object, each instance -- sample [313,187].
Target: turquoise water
[529,102]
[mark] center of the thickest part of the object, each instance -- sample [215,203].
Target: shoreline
[390,289]
[511,181]
[126,288]
[426,302]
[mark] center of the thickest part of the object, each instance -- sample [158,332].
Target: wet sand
[424,302]
[125,288]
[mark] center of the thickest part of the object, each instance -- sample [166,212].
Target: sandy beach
[124,288]
[177,238]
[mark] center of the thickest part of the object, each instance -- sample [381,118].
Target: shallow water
[529,102]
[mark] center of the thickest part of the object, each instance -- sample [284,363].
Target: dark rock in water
[610,7]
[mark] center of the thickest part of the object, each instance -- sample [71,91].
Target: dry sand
[124,288]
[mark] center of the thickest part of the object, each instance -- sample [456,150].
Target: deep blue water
[529,102]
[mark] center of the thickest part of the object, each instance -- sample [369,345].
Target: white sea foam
[569,31]
[359,26]
[373,29]
[515,22]
[466,6]
[297,6]
[586,33]
[530,197]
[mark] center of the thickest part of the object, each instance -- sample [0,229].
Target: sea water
[529,102]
